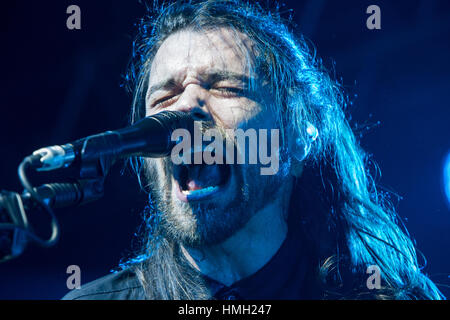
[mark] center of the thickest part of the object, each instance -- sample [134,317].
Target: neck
[248,250]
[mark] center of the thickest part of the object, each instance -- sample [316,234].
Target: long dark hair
[346,222]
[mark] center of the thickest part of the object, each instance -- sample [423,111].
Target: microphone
[149,137]
[91,156]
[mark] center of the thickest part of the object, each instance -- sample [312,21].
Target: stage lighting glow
[447,177]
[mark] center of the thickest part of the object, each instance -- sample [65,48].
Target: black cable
[13,227]
[24,165]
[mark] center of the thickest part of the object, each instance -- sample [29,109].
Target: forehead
[191,53]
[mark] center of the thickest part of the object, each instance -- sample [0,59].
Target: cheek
[234,114]
[155,170]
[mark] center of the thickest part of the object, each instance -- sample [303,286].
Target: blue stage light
[447,177]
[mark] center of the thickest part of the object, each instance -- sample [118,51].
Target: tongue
[192,185]
[203,176]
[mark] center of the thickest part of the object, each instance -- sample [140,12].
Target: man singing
[310,230]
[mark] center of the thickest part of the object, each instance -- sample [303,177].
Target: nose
[194,100]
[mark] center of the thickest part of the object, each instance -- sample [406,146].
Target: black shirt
[283,277]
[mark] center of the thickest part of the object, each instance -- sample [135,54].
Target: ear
[297,153]
[299,149]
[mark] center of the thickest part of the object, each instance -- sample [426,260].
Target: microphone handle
[149,137]
[62,195]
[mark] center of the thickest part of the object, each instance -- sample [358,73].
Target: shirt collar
[280,278]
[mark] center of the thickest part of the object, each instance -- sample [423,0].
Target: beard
[209,222]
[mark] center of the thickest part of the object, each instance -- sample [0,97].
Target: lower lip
[204,194]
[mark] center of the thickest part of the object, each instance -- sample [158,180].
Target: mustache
[206,126]
[205,137]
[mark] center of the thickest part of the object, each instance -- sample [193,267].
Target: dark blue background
[58,85]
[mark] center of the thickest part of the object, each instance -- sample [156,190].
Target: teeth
[200,192]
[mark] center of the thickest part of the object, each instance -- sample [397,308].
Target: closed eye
[229,91]
[224,91]
[164,102]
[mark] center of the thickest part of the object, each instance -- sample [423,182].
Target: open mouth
[195,182]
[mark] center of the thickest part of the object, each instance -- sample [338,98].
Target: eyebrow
[210,77]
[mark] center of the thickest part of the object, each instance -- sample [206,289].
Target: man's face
[209,74]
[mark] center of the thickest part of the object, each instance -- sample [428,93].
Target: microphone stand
[92,157]
[16,231]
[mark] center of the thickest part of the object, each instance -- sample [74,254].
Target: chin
[207,204]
